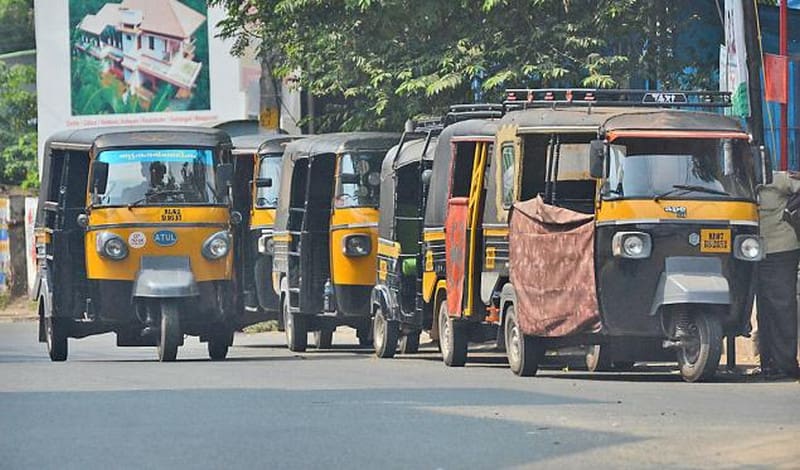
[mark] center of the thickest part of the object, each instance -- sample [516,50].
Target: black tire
[170,334]
[364,334]
[384,335]
[409,343]
[296,328]
[699,360]
[524,352]
[56,335]
[452,338]
[323,339]
[218,346]
[597,358]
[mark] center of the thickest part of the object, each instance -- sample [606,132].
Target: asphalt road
[265,407]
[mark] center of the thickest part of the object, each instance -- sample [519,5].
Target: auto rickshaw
[454,266]
[133,236]
[257,174]
[325,238]
[396,300]
[630,224]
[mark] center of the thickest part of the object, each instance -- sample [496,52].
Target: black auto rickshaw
[133,236]
[454,237]
[257,174]
[630,225]
[396,300]
[325,235]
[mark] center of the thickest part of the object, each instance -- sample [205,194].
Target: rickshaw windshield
[269,167]
[359,180]
[685,169]
[157,176]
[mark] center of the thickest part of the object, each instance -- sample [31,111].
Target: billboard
[133,62]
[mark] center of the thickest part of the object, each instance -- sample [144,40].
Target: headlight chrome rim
[112,246]
[351,248]
[632,245]
[217,246]
[748,248]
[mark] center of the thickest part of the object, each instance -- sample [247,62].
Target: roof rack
[463,112]
[524,98]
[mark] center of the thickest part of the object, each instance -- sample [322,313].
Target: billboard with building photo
[135,62]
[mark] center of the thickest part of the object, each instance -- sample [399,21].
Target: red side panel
[456,248]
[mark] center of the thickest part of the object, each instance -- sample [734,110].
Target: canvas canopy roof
[338,143]
[136,136]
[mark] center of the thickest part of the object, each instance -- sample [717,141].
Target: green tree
[18,160]
[16,26]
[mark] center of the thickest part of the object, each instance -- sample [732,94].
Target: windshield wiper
[690,187]
[161,192]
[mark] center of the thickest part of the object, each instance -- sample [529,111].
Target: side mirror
[99,177]
[597,156]
[426,177]
[263,182]
[236,218]
[82,220]
[224,175]
[349,178]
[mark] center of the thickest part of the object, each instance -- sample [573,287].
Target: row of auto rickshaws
[607,220]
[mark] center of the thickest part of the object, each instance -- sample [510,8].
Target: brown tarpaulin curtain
[552,269]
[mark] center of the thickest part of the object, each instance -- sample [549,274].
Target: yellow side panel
[349,270]
[262,218]
[137,227]
[428,284]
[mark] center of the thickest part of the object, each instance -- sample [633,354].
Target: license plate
[715,241]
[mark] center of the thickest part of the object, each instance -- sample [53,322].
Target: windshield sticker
[137,240]
[155,155]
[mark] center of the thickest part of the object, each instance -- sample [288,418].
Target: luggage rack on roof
[524,98]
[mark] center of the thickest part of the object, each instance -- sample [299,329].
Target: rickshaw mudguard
[691,280]
[165,277]
[383,296]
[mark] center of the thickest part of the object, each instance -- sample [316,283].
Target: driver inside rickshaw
[359,181]
[152,180]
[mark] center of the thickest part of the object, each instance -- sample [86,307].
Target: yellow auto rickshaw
[325,238]
[133,236]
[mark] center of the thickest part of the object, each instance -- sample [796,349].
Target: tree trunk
[269,103]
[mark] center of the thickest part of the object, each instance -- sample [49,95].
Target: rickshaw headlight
[111,246]
[217,246]
[633,245]
[266,245]
[357,245]
[748,248]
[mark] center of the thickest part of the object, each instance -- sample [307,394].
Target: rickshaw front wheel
[452,339]
[323,339]
[295,328]
[57,347]
[218,346]
[385,335]
[170,336]
[524,352]
[699,356]
[409,343]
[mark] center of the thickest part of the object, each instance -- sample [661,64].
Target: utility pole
[784,52]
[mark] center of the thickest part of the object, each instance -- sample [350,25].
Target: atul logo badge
[679,211]
[165,238]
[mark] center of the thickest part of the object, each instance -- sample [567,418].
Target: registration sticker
[137,240]
[715,240]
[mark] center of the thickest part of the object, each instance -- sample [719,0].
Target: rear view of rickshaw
[325,238]
[257,171]
[133,236]
[669,251]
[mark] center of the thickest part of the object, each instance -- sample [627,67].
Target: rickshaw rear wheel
[409,343]
[218,346]
[698,359]
[452,338]
[524,352]
[323,339]
[597,359]
[295,328]
[384,334]
[57,346]
[169,337]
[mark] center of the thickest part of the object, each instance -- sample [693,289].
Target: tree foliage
[16,25]
[373,63]
[18,160]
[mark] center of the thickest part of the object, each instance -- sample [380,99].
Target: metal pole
[756,120]
[784,41]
